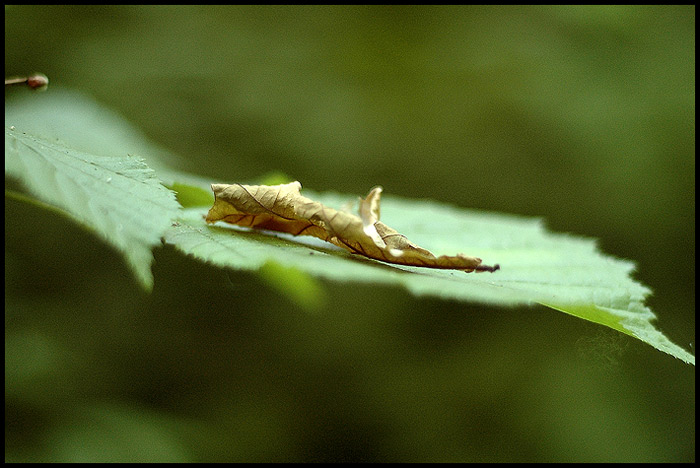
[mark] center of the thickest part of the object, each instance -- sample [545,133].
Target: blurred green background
[584,116]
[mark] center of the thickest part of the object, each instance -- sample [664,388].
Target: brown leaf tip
[488,268]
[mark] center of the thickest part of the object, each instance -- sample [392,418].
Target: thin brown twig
[37,81]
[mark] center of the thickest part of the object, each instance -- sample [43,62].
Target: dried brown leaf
[282,208]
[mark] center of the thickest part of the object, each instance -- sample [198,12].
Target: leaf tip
[489,268]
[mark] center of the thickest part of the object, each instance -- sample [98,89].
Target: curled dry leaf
[282,208]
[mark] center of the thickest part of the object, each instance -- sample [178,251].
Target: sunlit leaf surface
[563,272]
[89,174]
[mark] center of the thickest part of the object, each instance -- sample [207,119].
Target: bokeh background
[583,115]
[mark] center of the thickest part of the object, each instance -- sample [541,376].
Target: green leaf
[85,125]
[190,196]
[297,285]
[564,272]
[89,174]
